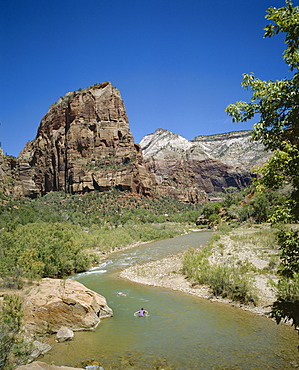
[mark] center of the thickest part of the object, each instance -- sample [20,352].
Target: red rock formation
[83,144]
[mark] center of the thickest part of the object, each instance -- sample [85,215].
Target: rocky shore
[167,273]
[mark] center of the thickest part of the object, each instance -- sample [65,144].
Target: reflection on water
[181,331]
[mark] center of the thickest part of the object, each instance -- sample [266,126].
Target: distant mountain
[234,148]
[212,162]
[84,144]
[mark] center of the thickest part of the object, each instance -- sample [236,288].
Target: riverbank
[251,247]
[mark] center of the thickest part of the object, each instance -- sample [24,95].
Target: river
[181,332]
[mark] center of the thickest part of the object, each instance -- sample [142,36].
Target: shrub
[288,241]
[287,304]
[211,209]
[227,282]
[42,250]
[14,350]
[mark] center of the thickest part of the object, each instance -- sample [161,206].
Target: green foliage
[227,282]
[46,237]
[211,208]
[277,105]
[214,219]
[107,239]
[101,208]
[41,250]
[14,350]
[286,20]
[232,196]
[289,248]
[286,306]
[276,102]
[260,206]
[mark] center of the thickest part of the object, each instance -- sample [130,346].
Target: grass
[225,281]
[229,263]
[108,239]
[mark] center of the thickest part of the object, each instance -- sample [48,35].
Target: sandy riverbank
[167,272]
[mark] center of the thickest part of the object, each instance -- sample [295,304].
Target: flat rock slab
[38,365]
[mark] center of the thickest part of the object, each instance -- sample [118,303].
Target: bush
[14,350]
[227,282]
[211,209]
[288,241]
[42,250]
[287,304]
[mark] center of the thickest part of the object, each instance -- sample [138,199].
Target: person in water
[141,312]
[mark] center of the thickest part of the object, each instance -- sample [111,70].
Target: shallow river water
[181,332]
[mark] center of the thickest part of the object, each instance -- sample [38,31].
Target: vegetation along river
[181,331]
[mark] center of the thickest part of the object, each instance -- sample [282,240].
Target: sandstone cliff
[212,163]
[83,144]
[8,168]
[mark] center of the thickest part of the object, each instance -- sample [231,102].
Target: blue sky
[177,63]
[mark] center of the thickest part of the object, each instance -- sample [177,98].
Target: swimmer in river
[121,293]
[141,312]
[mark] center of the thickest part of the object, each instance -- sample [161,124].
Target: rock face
[83,144]
[235,149]
[211,163]
[180,183]
[8,168]
[55,303]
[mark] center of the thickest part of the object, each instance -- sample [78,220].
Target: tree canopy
[277,105]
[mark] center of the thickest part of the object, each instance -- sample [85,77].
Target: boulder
[64,334]
[39,349]
[54,303]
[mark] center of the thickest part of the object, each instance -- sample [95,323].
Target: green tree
[14,350]
[277,104]
[211,209]
[289,245]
